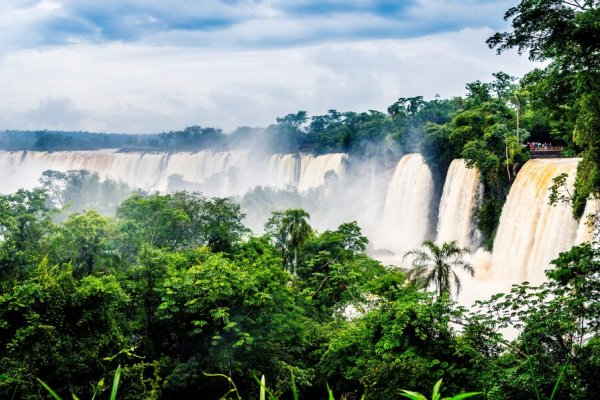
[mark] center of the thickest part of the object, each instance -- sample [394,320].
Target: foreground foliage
[177,281]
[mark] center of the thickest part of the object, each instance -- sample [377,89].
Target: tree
[293,120]
[80,190]
[87,241]
[221,224]
[232,316]
[289,230]
[154,220]
[403,341]
[435,264]
[406,106]
[296,225]
[25,222]
[274,229]
[553,29]
[183,220]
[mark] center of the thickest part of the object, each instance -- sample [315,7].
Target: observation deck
[547,152]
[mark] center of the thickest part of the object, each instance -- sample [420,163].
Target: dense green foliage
[174,286]
[567,92]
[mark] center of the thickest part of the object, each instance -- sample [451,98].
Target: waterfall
[283,170]
[215,172]
[148,171]
[461,196]
[221,173]
[313,169]
[302,170]
[405,220]
[532,232]
[585,230]
[22,169]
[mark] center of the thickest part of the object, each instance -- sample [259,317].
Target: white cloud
[139,88]
[237,23]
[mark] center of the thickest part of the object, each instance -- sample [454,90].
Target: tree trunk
[295,260]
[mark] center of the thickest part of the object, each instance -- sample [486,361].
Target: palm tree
[435,264]
[295,225]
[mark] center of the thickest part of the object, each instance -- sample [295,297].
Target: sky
[141,66]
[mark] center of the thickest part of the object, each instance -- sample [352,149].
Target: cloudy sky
[157,65]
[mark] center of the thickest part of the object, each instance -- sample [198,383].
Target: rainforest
[449,242]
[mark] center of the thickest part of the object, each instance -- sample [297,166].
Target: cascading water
[283,170]
[461,196]
[148,171]
[405,221]
[532,232]
[212,172]
[586,228]
[313,169]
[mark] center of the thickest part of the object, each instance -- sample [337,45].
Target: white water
[586,229]
[302,170]
[405,221]
[282,169]
[313,169]
[213,172]
[461,197]
[532,232]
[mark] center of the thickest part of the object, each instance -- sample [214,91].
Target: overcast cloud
[150,65]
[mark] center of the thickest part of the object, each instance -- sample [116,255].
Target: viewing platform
[547,152]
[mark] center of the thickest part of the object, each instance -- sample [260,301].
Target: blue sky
[151,65]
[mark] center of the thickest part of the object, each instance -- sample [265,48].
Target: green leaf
[52,392]
[294,388]
[113,392]
[560,376]
[462,396]
[331,397]
[436,390]
[99,386]
[263,394]
[412,395]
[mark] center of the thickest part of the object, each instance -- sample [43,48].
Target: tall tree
[295,223]
[289,229]
[435,264]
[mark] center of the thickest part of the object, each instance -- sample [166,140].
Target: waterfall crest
[531,232]
[461,197]
[222,173]
[405,222]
